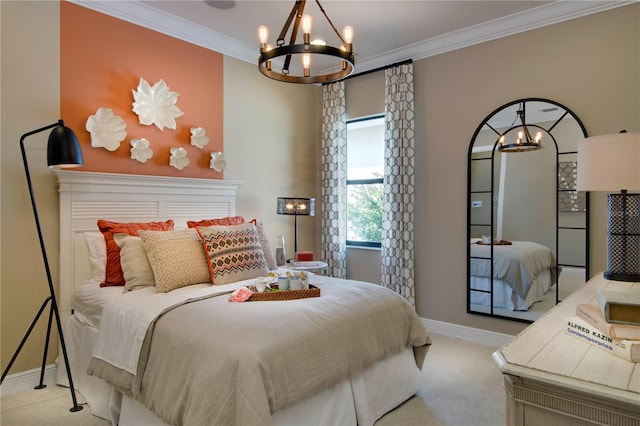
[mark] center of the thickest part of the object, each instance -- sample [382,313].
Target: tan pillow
[135,265]
[176,257]
[234,252]
[266,247]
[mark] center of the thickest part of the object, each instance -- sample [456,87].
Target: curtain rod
[406,61]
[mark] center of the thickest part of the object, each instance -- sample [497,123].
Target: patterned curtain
[334,179]
[397,221]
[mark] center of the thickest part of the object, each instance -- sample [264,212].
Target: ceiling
[385,31]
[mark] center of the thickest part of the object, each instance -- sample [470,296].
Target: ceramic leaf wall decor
[156,105]
[199,137]
[107,130]
[140,150]
[178,158]
[217,162]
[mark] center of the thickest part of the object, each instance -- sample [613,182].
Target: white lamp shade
[609,163]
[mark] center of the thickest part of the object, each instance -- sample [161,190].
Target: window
[365,174]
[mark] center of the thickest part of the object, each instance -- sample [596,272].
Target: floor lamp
[63,150]
[612,163]
[296,207]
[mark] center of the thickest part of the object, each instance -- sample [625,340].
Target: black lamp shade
[297,206]
[63,149]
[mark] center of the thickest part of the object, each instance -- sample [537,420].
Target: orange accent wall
[102,61]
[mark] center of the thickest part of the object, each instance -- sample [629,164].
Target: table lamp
[611,163]
[296,207]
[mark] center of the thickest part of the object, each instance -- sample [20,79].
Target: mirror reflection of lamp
[612,163]
[524,142]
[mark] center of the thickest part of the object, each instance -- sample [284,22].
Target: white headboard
[86,197]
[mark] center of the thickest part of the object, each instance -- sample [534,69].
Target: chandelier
[338,61]
[524,141]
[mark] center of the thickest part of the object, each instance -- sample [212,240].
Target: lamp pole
[53,312]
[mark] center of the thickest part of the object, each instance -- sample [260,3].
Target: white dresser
[551,378]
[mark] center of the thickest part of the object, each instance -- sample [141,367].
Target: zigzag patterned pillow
[234,252]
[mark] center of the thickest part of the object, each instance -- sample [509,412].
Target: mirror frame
[549,130]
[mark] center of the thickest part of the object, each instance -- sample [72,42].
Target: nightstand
[315,266]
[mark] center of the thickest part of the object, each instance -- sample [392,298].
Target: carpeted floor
[461,386]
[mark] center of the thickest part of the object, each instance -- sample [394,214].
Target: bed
[523,272]
[346,357]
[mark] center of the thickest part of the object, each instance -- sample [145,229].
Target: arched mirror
[527,226]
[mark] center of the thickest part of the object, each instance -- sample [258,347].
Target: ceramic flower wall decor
[156,105]
[199,137]
[140,150]
[217,162]
[178,158]
[107,130]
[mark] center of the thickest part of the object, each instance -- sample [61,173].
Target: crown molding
[146,16]
[559,11]
[532,19]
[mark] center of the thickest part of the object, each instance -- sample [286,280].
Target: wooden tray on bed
[269,296]
[496,243]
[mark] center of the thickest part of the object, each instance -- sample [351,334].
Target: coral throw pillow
[113,270]
[234,253]
[223,221]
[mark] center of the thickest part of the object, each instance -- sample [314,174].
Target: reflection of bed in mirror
[523,272]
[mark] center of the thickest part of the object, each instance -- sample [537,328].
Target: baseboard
[476,335]
[27,380]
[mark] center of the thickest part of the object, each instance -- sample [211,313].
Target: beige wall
[30,99]
[588,64]
[272,143]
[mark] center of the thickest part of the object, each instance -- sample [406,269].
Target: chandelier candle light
[524,142]
[309,48]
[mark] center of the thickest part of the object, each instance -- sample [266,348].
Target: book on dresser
[623,348]
[592,314]
[619,306]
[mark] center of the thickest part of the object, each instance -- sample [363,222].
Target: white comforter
[516,264]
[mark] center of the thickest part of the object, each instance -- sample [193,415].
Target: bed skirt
[503,295]
[359,400]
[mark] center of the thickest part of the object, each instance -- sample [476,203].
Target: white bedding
[364,398]
[89,299]
[522,273]
[503,295]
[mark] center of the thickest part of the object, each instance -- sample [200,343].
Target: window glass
[365,173]
[365,148]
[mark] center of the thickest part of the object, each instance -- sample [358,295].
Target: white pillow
[97,254]
[135,264]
